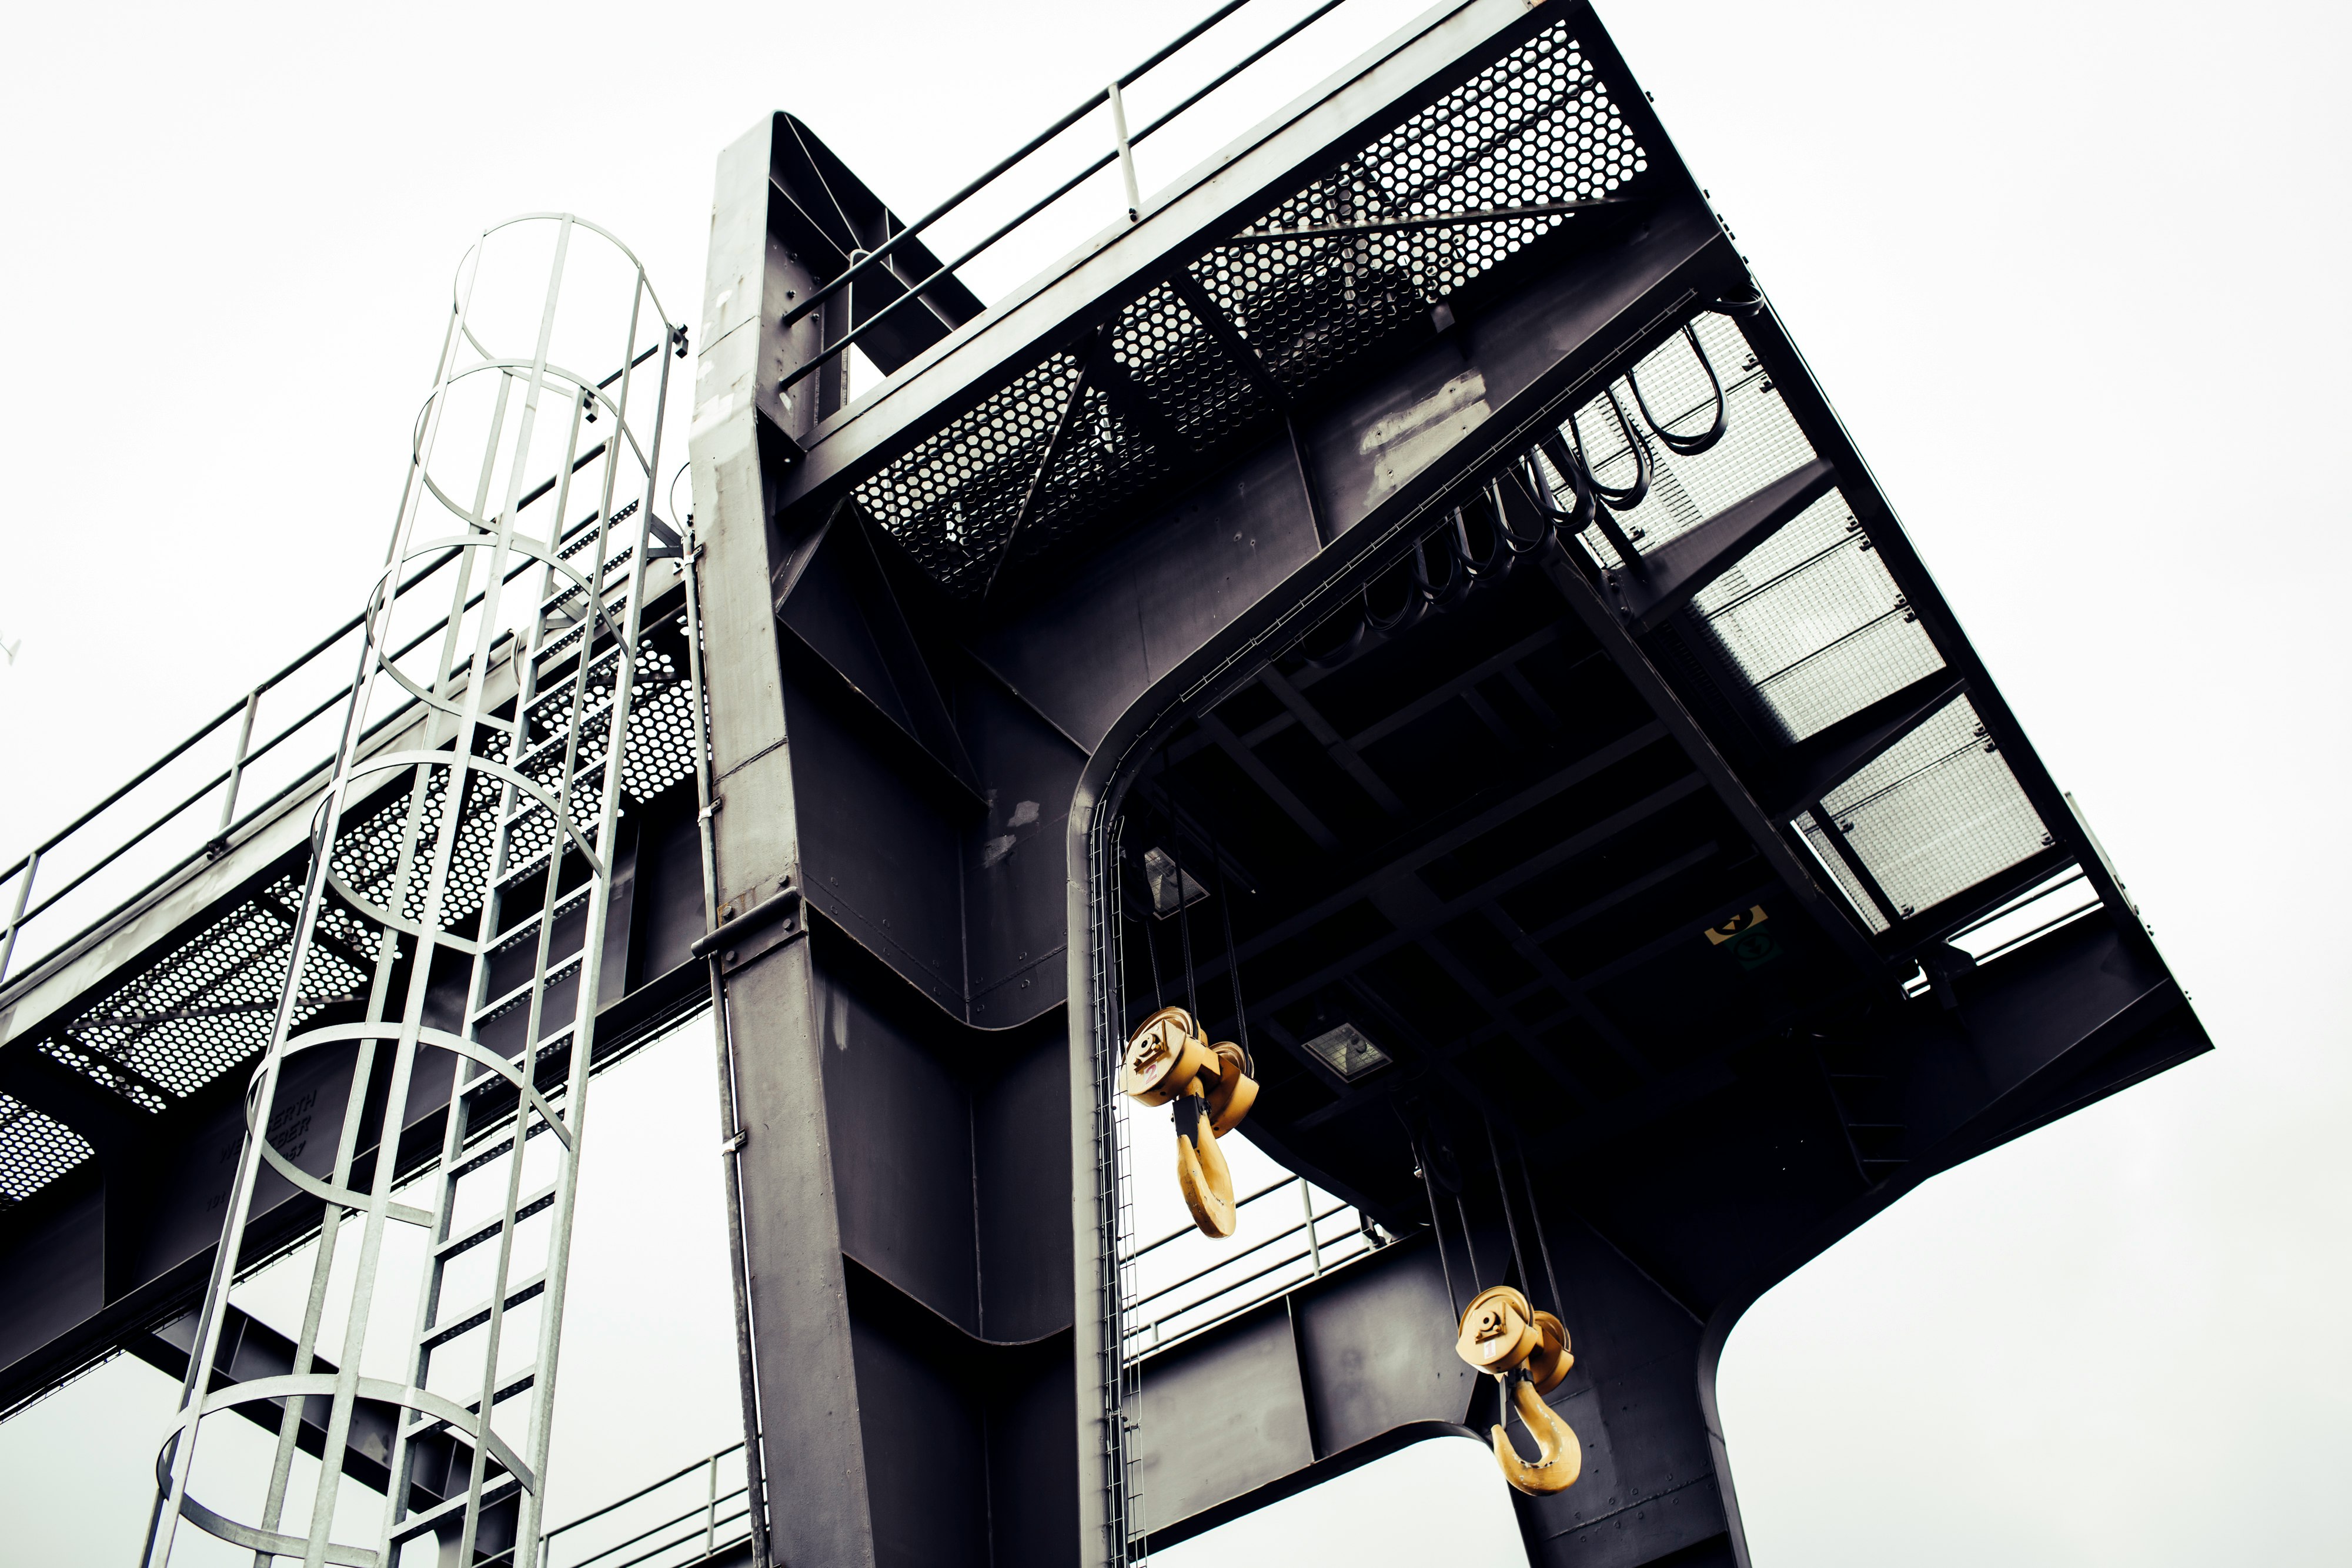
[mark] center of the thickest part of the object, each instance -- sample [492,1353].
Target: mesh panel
[207,1005]
[952,499]
[1184,370]
[1817,839]
[1102,462]
[34,1150]
[175,1025]
[660,752]
[1813,623]
[1762,442]
[1938,812]
[1535,127]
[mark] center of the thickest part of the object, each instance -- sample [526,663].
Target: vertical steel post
[710,1512]
[16,915]
[1126,153]
[235,771]
[1314,1247]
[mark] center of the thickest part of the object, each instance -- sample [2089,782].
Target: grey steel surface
[1194,544]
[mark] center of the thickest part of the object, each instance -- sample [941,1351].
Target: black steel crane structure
[1397,589]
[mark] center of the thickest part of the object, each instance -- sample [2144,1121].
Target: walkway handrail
[1121,151]
[22,908]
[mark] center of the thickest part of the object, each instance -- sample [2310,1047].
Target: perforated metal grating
[207,1005]
[1936,813]
[1187,375]
[952,500]
[175,1025]
[34,1150]
[1535,128]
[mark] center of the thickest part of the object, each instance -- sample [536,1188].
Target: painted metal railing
[1291,1234]
[689,1515]
[885,262]
[162,821]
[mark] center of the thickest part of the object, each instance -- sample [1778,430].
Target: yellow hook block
[1168,1059]
[1501,1335]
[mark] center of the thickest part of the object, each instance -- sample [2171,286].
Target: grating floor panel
[1815,624]
[206,1006]
[35,1151]
[1307,287]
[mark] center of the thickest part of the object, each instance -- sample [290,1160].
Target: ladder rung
[479,1233]
[417,1525]
[480,1314]
[505,1390]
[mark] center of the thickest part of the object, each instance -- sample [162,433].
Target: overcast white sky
[2072,272]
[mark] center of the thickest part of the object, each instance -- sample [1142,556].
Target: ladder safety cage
[481,843]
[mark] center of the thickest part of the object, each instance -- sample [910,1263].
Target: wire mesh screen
[1813,623]
[1761,441]
[1936,813]
[1816,835]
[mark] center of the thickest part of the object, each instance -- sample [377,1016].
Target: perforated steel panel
[1187,376]
[952,500]
[206,1004]
[34,1150]
[1535,128]
[175,1025]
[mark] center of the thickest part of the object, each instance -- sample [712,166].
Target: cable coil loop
[1686,445]
[1626,498]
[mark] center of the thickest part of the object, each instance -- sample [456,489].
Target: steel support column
[811,1446]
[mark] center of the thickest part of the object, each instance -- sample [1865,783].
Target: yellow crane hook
[1501,1334]
[1201,1174]
[1168,1059]
[1559,1457]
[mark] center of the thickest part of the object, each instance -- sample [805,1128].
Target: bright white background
[2074,275]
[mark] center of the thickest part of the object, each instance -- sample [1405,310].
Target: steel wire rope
[1150,946]
[1437,1230]
[1535,1218]
[1503,1193]
[1233,962]
[1469,1245]
[1184,905]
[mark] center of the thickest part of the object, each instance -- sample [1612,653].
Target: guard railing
[689,1516]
